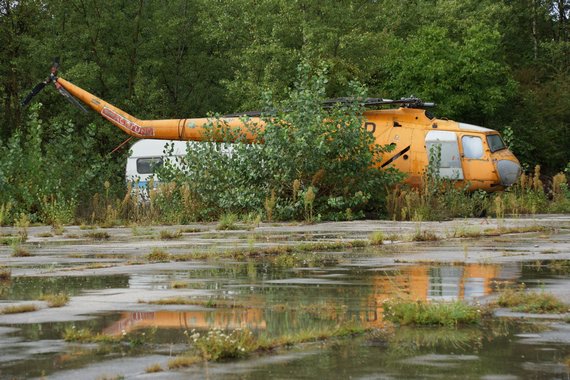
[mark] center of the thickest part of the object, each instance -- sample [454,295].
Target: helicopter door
[446,142]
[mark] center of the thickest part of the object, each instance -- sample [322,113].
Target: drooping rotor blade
[38,87]
[371,102]
[71,98]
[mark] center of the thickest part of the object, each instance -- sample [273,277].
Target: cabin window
[148,165]
[495,143]
[449,161]
[472,147]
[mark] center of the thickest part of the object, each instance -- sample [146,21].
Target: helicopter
[474,157]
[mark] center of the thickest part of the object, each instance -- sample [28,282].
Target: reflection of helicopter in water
[226,319]
[469,154]
[417,282]
[439,283]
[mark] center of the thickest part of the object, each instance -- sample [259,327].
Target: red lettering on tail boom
[114,117]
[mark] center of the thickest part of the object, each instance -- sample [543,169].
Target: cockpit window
[495,143]
[472,147]
[148,165]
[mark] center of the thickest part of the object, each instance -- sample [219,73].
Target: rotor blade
[33,93]
[71,99]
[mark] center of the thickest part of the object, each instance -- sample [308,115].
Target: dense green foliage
[312,164]
[501,64]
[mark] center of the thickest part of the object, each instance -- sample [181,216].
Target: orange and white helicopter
[473,156]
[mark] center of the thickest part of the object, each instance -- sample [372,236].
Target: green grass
[376,238]
[531,302]
[85,335]
[421,313]
[254,252]
[189,301]
[216,344]
[10,240]
[228,222]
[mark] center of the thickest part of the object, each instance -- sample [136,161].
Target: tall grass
[438,199]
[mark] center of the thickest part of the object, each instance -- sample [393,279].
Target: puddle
[272,298]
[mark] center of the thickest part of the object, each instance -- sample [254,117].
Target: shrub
[35,167]
[307,162]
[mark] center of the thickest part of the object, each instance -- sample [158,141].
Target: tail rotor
[52,78]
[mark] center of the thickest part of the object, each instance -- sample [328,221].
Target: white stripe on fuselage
[474,128]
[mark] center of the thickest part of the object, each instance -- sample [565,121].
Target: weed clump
[167,235]
[55,300]
[228,222]
[406,312]
[183,361]
[178,284]
[19,251]
[425,236]
[5,273]
[98,235]
[218,345]
[18,309]
[85,335]
[158,255]
[531,302]
[154,368]
[376,238]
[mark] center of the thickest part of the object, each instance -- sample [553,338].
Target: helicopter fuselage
[472,156]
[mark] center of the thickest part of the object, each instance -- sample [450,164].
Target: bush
[35,171]
[307,163]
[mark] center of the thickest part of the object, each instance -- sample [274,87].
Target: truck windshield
[495,143]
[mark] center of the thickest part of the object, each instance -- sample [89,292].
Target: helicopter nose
[509,171]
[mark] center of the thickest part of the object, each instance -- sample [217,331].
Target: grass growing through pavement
[218,345]
[5,273]
[85,335]
[376,238]
[167,235]
[19,251]
[158,255]
[531,302]
[407,312]
[189,301]
[153,368]
[55,300]
[18,309]
[98,235]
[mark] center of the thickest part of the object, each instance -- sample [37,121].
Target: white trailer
[147,155]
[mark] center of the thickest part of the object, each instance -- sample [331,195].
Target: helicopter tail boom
[195,129]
